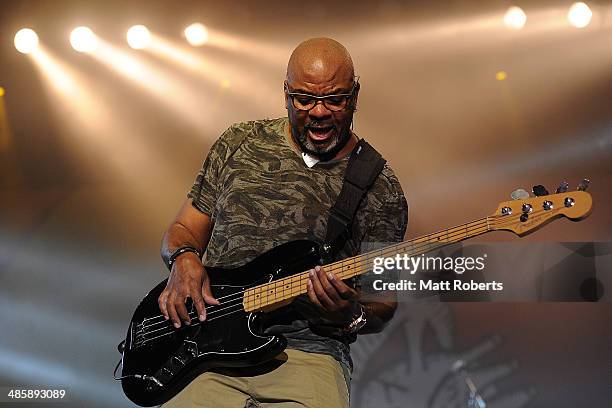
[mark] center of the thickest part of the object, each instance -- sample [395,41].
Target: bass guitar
[159,360]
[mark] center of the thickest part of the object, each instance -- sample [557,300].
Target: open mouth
[320,134]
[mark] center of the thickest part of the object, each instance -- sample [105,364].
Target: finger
[311,294]
[329,289]
[161,301]
[320,292]
[207,293]
[181,310]
[198,302]
[172,310]
[345,291]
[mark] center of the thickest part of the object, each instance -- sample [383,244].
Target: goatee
[322,152]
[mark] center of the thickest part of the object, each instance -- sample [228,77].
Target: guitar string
[143,342]
[240,308]
[361,255]
[330,267]
[236,302]
[364,257]
[336,267]
[498,221]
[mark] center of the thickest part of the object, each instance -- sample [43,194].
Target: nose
[319,111]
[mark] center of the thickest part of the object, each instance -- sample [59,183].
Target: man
[267,182]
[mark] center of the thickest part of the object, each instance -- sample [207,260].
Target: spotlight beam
[461,34]
[171,93]
[98,129]
[236,80]
[263,53]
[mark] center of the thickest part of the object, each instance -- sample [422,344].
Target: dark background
[92,171]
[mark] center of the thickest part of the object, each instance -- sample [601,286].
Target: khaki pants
[293,379]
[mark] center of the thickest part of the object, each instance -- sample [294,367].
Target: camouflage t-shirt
[260,193]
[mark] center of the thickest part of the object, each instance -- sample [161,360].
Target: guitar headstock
[526,214]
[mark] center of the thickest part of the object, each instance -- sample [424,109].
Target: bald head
[320,60]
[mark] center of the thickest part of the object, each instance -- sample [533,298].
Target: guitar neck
[283,290]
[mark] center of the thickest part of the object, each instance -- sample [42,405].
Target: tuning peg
[563,187]
[584,184]
[519,194]
[539,190]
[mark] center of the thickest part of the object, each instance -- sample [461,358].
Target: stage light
[83,39]
[26,40]
[579,15]
[196,34]
[501,75]
[515,18]
[138,37]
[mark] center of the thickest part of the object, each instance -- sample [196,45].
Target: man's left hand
[336,298]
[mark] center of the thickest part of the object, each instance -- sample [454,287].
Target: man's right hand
[188,279]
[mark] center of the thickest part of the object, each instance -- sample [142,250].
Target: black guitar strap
[364,166]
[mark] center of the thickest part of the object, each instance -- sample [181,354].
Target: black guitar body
[159,361]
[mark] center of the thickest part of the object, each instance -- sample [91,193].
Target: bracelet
[180,252]
[358,323]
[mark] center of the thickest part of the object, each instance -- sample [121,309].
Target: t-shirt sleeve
[390,218]
[205,190]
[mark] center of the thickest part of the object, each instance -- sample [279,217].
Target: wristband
[180,252]
[357,323]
